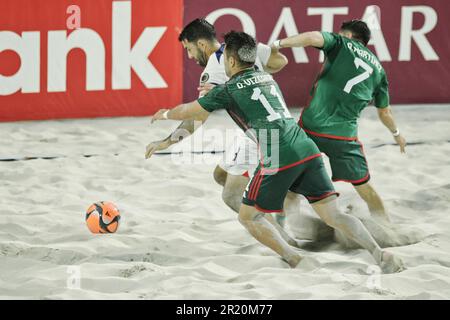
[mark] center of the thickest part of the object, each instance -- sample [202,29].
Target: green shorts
[267,189]
[347,160]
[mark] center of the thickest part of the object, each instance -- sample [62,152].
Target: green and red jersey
[351,78]
[254,101]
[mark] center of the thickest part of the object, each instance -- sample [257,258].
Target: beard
[202,59]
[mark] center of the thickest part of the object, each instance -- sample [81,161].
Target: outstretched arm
[387,118]
[305,39]
[185,129]
[191,110]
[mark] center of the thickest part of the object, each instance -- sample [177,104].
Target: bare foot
[390,263]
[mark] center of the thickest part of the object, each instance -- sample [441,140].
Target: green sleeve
[331,41]
[216,99]
[381,97]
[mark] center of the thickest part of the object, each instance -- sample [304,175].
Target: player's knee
[220,175]
[329,213]
[247,214]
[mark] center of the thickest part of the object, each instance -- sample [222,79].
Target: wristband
[165,115]
[277,44]
[396,133]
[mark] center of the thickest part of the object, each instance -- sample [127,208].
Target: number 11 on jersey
[273,115]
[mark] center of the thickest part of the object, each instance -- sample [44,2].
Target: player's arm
[381,102]
[271,58]
[216,99]
[387,118]
[305,39]
[276,62]
[191,110]
[185,129]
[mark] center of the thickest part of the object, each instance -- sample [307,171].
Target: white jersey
[241,155]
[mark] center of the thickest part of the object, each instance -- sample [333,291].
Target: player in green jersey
[239,159]
[289,160]
[351,78]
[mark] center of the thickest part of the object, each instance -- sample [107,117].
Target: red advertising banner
[84,58]
[410,37]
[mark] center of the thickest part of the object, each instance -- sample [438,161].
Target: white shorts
[241,157]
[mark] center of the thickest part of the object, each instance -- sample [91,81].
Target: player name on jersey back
[365,55]
[255,80]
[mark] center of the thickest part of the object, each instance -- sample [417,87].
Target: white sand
[178,240]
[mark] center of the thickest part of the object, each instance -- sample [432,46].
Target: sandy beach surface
[177,240]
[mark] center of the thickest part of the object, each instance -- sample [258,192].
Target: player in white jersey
[240,159]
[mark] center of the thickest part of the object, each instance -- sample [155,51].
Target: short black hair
[198,29]
[242,47]
[359,29]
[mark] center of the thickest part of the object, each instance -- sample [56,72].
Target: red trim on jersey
[258,186]
[324,135]
[326,195]
[261,162]
[355,181]
[252,184]
[293,164]
[252,189]
[265,210]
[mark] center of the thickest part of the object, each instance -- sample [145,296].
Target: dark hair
[198,29]
[359,29]
[242,47]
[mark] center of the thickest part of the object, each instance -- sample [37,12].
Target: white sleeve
[263,52]
[214,72]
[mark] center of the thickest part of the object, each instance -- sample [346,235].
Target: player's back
[352,76]
[258,107]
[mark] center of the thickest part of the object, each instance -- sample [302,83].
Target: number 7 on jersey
[359,78]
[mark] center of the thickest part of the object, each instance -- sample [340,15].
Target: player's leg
[385,234]
[354,229]
[233,189]
[266,233]
[373,200]
[264,195]
[291,207]
[232,196]
[241,160]
[318,189]
[348,163]
[232,173]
